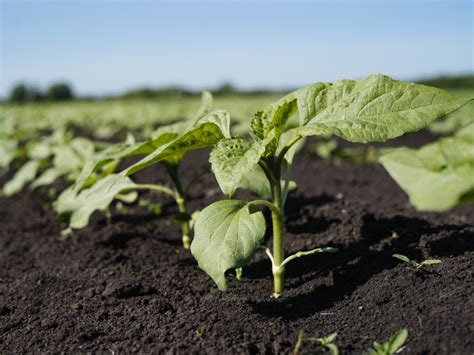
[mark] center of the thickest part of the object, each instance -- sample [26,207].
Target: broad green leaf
[66,159]
[40,150]
[205,133]
[175,129]
[121,151]
[258,185]
[46,178]
[8,152]
[455,120]
[438,176]
[227,235]
[23,176]
[233,158]
[98,197]
[401,257]
[431,262]
[206,105]
[374,109]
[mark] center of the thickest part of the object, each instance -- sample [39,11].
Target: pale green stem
[154,187]
[309,252]
[285,149]
[180,197]
[278,269]
[238,273]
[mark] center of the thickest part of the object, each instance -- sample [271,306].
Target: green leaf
[8,152]
[438,176]
[390,347]
[431,262]
[397,340]
[331,337]
[401,257]
[258,185]
[46,178]
[455,120]
[233,158]
[374,109]
[272,120]
[333,349]
[227,235]
[24,175]
[206,105]
[285,138]
[98,197]
[120,151]
[205,133]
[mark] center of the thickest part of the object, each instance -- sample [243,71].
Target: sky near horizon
[106,47]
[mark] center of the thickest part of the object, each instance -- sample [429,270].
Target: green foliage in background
[437,176]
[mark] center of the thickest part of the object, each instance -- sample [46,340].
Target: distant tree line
[22,93]
[451,82]
[225,89]
[62,91]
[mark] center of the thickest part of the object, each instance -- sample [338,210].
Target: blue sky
[104,47]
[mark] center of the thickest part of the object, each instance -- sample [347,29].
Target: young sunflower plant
[99,183]
[228,233]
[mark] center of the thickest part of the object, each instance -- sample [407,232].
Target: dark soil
[129,286]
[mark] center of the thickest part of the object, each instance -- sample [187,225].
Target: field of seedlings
[335,219]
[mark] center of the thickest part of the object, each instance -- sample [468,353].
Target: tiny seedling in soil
[326,343]
[393,346]
[228,233]
[414,265]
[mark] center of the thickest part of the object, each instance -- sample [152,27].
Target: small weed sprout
[326,343]
[414,265]
[393,346]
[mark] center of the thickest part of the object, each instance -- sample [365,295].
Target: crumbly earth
[129,287]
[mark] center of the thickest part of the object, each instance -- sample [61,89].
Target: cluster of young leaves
[415,265]
[167,146]
[437,176]
[46,159]
[228,233]
[393,346]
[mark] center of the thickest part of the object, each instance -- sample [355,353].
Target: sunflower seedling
[326,343]
[228,233]
[413,264]
[393,346]
[167,146]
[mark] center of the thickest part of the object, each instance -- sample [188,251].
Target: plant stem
[185,227]
[180,197]
[278,269]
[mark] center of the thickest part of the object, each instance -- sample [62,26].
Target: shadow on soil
[355,264]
